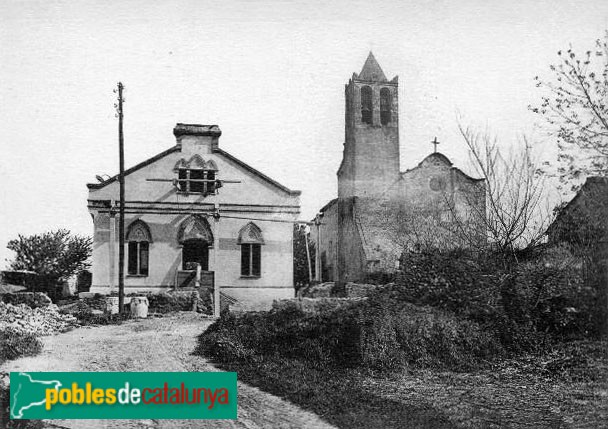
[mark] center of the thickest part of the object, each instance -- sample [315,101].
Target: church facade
[380,211]
[196,216]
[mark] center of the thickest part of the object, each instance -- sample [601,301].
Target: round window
[437,184]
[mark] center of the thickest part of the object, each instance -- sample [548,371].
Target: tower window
[385,106]
[366,105]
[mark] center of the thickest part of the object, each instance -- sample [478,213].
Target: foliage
[367,334]
[575,107]
[301,273]
[546,296]
[323,337]
[400,334]
[55,255]
[15,343]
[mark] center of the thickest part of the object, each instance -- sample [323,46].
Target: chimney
[194,138]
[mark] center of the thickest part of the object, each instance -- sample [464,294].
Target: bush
[373,334]
[324,337]
[544,298]
[397,334]
[15,343]
[448,311]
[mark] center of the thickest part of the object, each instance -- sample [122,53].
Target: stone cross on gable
[435,143]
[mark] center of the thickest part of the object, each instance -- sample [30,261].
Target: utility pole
[318,249]
[121,216]
[306,237]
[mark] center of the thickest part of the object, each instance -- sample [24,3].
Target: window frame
[185,183]
[135,252]
[252,268]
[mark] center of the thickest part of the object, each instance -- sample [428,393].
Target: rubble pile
[37,321]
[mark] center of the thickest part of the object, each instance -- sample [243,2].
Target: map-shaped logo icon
[27,392]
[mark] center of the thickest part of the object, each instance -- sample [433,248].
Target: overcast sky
[270,74]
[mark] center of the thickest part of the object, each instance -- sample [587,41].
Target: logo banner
[123,395]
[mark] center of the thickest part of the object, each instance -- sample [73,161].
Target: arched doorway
[196,238]
[195,251]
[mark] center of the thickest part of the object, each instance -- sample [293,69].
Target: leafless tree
[516,216]
[576,108]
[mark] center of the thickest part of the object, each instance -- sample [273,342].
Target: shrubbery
[445,310]
[453,311]
[394,334]
[371,333]
[16,343]
[524,303]
[329,336]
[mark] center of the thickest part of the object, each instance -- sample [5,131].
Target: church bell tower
[370,163]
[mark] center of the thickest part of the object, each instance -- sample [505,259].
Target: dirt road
[163,344]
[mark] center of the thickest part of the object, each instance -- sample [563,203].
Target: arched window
[366,105]
[138,238]
[251,241]
[385,106]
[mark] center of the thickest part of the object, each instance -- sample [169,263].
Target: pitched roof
[134,168]
[177,149]
[256,172]
[371,70]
